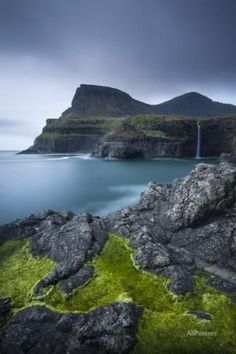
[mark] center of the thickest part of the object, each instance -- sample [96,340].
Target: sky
[152,49]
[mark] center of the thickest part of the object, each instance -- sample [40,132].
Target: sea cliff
[107,122]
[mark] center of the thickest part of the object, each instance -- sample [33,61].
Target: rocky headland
[139,280]
[107,122]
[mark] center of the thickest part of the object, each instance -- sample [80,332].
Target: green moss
[165,326]
[154,133]
[61,136]
[20,271]
[145,119]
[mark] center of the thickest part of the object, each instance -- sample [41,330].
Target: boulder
[37,329]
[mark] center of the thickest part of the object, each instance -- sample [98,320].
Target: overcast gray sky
[152,49]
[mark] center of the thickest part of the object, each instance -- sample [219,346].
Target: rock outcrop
[69,240]
[39,330]
[173,226]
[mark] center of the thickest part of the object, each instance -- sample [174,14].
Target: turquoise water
[31,183]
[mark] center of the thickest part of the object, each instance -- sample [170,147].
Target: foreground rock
[176,230]
[174,226]
[69,240]
[37,329]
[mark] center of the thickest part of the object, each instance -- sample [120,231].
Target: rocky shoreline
[178,231]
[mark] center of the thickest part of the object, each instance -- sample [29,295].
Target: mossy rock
[165,326]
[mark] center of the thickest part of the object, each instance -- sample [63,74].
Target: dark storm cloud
[157,39]
[153,49]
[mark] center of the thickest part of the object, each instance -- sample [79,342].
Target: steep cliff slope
[169,136]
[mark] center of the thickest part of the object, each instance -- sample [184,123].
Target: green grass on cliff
[164,327]
[154,133]
[156,118]
[63,136]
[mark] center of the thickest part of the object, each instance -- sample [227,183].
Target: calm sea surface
[31,183]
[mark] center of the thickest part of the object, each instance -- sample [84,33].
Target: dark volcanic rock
[70,245]
[172,226]
[207,190]
[69,240]
[79,278]
[220,284]
[28,227]
[37,329]
[199,314]
[5,307]
[231,158]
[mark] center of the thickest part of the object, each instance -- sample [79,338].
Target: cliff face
[218,136]
[165,136]
[109,122]
[73,134]
[150,136]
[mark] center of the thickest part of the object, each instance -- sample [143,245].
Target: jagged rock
[182,278]
[105,330]
[69,245]
[194,217]
[28,227]
[5,307]
[231,158]
[152,256]
[199,314]
[221,284]
[79,278]
[69,240]
[206,191]
[179,255]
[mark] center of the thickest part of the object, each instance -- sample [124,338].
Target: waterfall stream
[198,152]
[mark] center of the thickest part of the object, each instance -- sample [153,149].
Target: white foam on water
[58,158]
[83,157]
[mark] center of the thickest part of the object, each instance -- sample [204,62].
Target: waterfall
[198,152]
